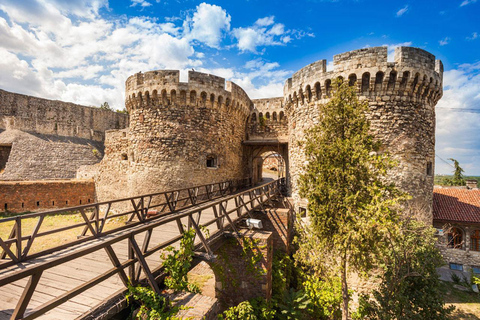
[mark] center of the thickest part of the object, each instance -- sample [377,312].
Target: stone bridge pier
[242,265]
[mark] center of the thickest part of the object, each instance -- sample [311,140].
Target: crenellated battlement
[414,75]
[163,87]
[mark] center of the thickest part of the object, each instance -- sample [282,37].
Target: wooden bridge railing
[96,215]
[224,219]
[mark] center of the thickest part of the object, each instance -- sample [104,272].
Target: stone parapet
[414,76]
[163,87]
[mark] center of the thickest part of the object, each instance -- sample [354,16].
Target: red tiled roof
[456,204]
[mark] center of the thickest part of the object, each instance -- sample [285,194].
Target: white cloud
[54,50]
[264,22]
[84,72]
[473,37]
[265,32]
[21,76]
[444,41]
[457,132]
[83,55]
[141,3]
[208,24]
[465,2]
[402,11]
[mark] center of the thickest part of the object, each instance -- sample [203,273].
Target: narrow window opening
[303,212]
[38,203]
[80,201]
[53,203]
[475,240]
[211,161]
[429,169]
[66,202]
[23,204]
[88,200]
[6,207]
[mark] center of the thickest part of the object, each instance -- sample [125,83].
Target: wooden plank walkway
[65,277]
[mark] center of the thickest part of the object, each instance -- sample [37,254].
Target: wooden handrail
[244,203]
[164,202]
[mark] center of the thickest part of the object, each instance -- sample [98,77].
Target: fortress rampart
[46,139]
[53,117]
[180,133]
[402,96]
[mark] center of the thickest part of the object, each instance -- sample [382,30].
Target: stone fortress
[401,95]
[208,130]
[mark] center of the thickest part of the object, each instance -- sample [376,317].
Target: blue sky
[83,50]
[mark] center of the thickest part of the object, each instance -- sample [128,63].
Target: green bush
[152,305]
[325,298]
[255,309]
[177,264]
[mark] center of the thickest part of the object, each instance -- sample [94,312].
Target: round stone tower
[402,96]
[181,134]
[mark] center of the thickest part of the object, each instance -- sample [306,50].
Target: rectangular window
[476,270]
[456,266]
[211,161]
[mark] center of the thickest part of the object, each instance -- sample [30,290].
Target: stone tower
[181,134]
[402,96]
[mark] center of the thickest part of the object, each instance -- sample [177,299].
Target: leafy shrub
[293,305]
[177,264]
[455,278]
[325,297]
[283,272]
[152,305]
[255,309]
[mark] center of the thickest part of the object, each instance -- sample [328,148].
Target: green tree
[458,179]
[105,106]
[351,206]
[410,287]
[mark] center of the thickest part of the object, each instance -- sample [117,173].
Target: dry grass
[50,223]
[467,303]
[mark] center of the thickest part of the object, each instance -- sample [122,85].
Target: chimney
[471,184]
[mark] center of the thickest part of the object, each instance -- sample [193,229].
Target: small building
[456,216]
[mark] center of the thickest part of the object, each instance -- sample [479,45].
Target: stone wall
[274,124]
[50,139]
[45,195]
[236,277]
[463,255]
[36,156]
[402,96]
[180,134]
[53,117]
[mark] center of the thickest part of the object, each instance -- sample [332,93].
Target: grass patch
[49,223]
[467,303]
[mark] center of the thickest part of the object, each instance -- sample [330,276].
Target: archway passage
[266,160]
[270,165]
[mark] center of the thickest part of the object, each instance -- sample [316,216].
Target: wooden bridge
[69,280]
